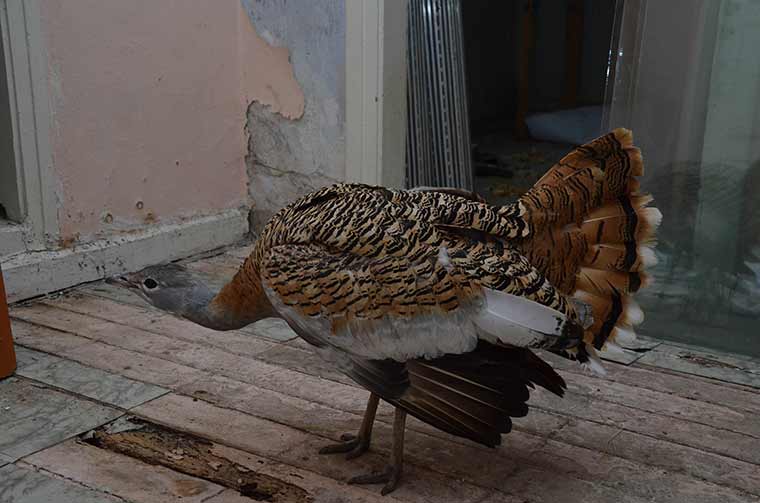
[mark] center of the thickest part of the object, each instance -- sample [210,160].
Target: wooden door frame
[27,75]
[376,67]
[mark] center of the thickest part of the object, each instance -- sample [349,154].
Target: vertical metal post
[438,133]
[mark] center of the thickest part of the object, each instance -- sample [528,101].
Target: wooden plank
[420,483]
[735,397]
[244,475]
[45,339]
[352,399]
[620,402]
[538,476]
[566,490]
[154,321]
[684,387]
[137,366]
[714,468]
[26,357]
[96,329]
[106,387]
[296,360]
[323,418]
[129,478]
[630,478]
[706,390]
[458,459]
[133,356]
[705,363]
[664,404]
[628,418]
[229,427]
[724,442]
[203,354]
[347,397]
[644,424]
[19,484]
[273,405]
[35,417]
[288,445]
[705,465]
[539,422]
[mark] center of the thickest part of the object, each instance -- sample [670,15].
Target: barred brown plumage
[432,299]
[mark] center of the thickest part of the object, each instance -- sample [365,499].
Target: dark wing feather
[475,395]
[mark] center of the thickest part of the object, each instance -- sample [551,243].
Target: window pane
[690,90]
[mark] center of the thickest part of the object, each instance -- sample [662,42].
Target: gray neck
[199,307]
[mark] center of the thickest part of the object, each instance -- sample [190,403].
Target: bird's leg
[392,473]
[356,445]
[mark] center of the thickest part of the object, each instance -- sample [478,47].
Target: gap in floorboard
[192,455]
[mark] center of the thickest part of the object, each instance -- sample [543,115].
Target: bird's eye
[150,283]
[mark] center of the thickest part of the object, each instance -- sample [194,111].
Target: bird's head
[171,288]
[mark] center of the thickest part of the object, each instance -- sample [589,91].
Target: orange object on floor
[7,354]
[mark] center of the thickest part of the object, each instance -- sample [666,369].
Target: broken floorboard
[640,434]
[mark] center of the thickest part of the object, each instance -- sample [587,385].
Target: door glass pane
[690,91]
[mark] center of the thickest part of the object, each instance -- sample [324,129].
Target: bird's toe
[390,477]
[352,445]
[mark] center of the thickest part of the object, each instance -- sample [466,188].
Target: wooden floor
[114,401]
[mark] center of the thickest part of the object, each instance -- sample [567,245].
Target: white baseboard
[35,273]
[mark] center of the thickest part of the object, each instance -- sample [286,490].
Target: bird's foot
[354,446]
[390,476]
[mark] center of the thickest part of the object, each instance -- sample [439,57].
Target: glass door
[685,77]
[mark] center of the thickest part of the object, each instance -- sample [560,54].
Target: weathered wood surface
[33,417]
[640,434]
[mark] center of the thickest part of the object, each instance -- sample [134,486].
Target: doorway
[536,74]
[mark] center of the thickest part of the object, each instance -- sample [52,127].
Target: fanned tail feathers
[601,234]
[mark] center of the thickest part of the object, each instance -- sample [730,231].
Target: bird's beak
[122,281]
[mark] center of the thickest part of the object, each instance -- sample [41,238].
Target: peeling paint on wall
[150,105]
[147,105]
[266,73]
[287,158]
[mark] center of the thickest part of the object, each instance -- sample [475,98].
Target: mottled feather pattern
[372,267]
[431,298]
[355,252]
[591,232]
[359,231]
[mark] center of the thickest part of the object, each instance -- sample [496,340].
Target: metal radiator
[438,132]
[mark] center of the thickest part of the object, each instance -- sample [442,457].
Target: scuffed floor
[114,401]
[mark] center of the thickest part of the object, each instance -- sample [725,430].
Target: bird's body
[432,299]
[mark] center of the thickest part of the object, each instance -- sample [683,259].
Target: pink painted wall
[149,105]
